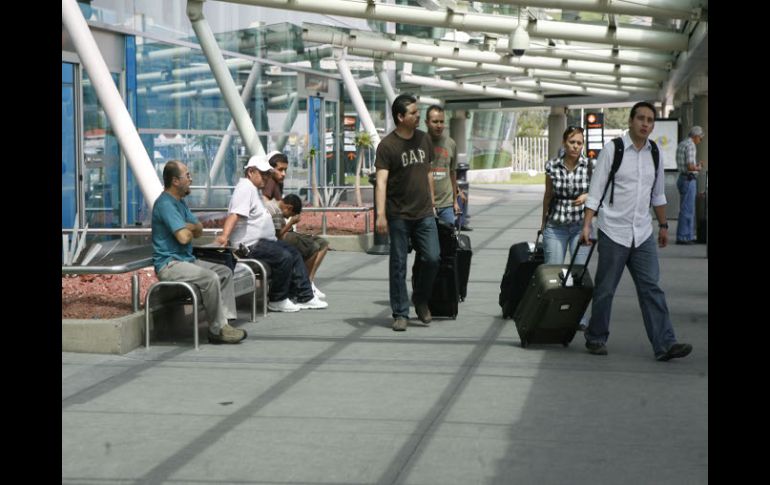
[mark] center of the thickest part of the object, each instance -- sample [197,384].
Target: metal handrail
[214,231]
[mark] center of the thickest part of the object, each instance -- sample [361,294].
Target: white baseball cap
[259,161]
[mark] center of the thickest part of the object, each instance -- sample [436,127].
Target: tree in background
[532,122]
[363,141]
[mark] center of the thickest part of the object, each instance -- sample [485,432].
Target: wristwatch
[663,226]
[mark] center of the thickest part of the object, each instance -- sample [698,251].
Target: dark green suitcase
[550,311]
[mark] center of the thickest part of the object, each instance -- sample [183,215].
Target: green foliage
[616,118]
[363,139]
[532,122]
[501,159]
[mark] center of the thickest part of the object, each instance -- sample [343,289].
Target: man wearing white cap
[249,223]
[687,184]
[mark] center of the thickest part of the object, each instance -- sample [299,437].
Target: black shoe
[596,348]
[674,352]
[685,243]
[466,228]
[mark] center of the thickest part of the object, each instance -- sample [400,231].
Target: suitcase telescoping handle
[572,262]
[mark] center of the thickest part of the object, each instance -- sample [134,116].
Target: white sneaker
[284,305]
[317,292]
[314,304]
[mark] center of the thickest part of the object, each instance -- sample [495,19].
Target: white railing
[529,153]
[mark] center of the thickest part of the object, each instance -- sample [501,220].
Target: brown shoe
[228,335]
[399,324]
[423,312]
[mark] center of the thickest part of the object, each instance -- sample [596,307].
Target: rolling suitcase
[464,254]
[556,298]
[446,294]
[523,258]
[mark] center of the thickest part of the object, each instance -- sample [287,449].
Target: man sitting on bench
[173,228]
[248,223]
[287,212]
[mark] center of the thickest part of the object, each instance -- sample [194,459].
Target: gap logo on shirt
[410,157]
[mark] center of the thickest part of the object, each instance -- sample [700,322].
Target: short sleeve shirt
[567,186]
[255,222]
[408,163]
[273,190]
[444,164]
[168,216]
[275,212]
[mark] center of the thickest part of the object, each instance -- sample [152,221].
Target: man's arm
[381,225]
[455,191]
[432,190]
[287,227]
[660,214]
[230,221]
[585,234]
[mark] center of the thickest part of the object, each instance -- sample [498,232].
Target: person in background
[286,213]
[568,177]
[444,166]
[249,224]
[687,184]
[273,189]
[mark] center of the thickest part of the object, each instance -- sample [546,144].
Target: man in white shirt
[249,223]
[626,237]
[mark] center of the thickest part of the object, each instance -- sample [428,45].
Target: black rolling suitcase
[464,255]
[556,298]
[523,258]
[446,291]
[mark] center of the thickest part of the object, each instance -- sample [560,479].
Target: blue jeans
[561,239]
[424,236]
[446,214]
[558,239]
[288,275]
[642,262]
[685,229]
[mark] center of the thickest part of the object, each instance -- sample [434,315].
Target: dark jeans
[642,263]
[424,236]
[288,277]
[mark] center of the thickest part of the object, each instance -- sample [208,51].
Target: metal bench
[244,283]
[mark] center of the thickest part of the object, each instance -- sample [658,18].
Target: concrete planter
[104,335]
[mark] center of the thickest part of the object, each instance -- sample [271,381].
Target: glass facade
[68,151]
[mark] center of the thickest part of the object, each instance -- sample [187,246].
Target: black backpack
[617,159]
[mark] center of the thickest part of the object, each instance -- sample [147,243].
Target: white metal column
[224,80]
[114,107]
[216,167]
[355,96]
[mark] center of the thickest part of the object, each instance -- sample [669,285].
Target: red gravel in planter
[102,295]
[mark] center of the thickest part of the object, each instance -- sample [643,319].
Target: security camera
[519,41]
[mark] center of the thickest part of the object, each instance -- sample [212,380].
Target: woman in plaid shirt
[566,190]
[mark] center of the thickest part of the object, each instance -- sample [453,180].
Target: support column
[224,79]
[355,96]
[216,167]
[557,123]
[108,95]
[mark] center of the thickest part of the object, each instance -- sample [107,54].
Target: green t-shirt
[444,164]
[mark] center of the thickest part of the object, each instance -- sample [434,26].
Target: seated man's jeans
[424,237]
[289,278]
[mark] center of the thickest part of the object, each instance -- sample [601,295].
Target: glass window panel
[68,156]
[101,173]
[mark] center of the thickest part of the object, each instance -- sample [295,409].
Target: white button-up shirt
[627,221]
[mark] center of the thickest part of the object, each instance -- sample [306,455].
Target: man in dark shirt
[273,189]
[405,210]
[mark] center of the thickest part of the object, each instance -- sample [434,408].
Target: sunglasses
[573,128]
